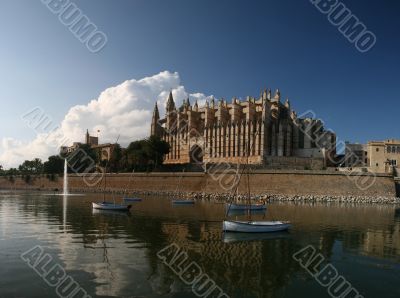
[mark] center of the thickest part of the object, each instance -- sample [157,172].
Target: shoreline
[226,198]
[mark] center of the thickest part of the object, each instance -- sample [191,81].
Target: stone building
[103,150]
[384,156]
[375,156]
[356,155]
[261,131]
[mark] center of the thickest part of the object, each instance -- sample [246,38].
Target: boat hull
[183,202]
[255,226]
[110,206]
[253,207]
[132,199]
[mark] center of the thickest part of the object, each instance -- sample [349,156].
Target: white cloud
[124,110]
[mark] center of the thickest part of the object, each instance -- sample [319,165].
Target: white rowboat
[110,206]
[255,226]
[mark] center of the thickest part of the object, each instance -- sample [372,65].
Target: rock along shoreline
[263,198]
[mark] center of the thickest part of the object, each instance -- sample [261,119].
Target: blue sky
[224,48]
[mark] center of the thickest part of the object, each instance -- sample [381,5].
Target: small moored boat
[179,198]
[132,199]
[251,226]
[255,226]
[183,202]
[110,206]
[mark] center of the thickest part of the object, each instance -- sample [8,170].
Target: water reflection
[233,212]
[65,206]
[115,254]
[238,237]
[397,213]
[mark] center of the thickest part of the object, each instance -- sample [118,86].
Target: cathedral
[263,131]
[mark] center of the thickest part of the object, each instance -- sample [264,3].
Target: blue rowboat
[183,202]
[132,199]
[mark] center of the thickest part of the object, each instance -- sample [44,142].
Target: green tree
[12,172]
[55,165]
[31,166]
[115,163]
[155,149]
[145,154]
[135,155]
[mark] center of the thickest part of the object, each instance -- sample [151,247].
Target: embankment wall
[266,181]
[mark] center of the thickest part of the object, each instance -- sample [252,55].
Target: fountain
[65,193]
[65,178]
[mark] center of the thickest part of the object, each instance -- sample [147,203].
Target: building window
[377,149]
[393,162]
[377,164]
[398,149]
[389,149]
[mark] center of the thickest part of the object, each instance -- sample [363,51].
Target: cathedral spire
[156,114]
[170,102]
[277,95]
[287,103]
[265,95]
[87,136]
[155,121]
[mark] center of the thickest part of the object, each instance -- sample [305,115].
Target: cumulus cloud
[124,110]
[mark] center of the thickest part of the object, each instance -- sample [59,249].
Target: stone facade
[384,156]
[375,156]
[253,131]
[356,155]
[103,150]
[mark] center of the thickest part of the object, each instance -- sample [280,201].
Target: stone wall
[261,181]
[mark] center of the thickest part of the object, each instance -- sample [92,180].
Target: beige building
[103,150]
[264,129]
[376,156]
[384,156]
